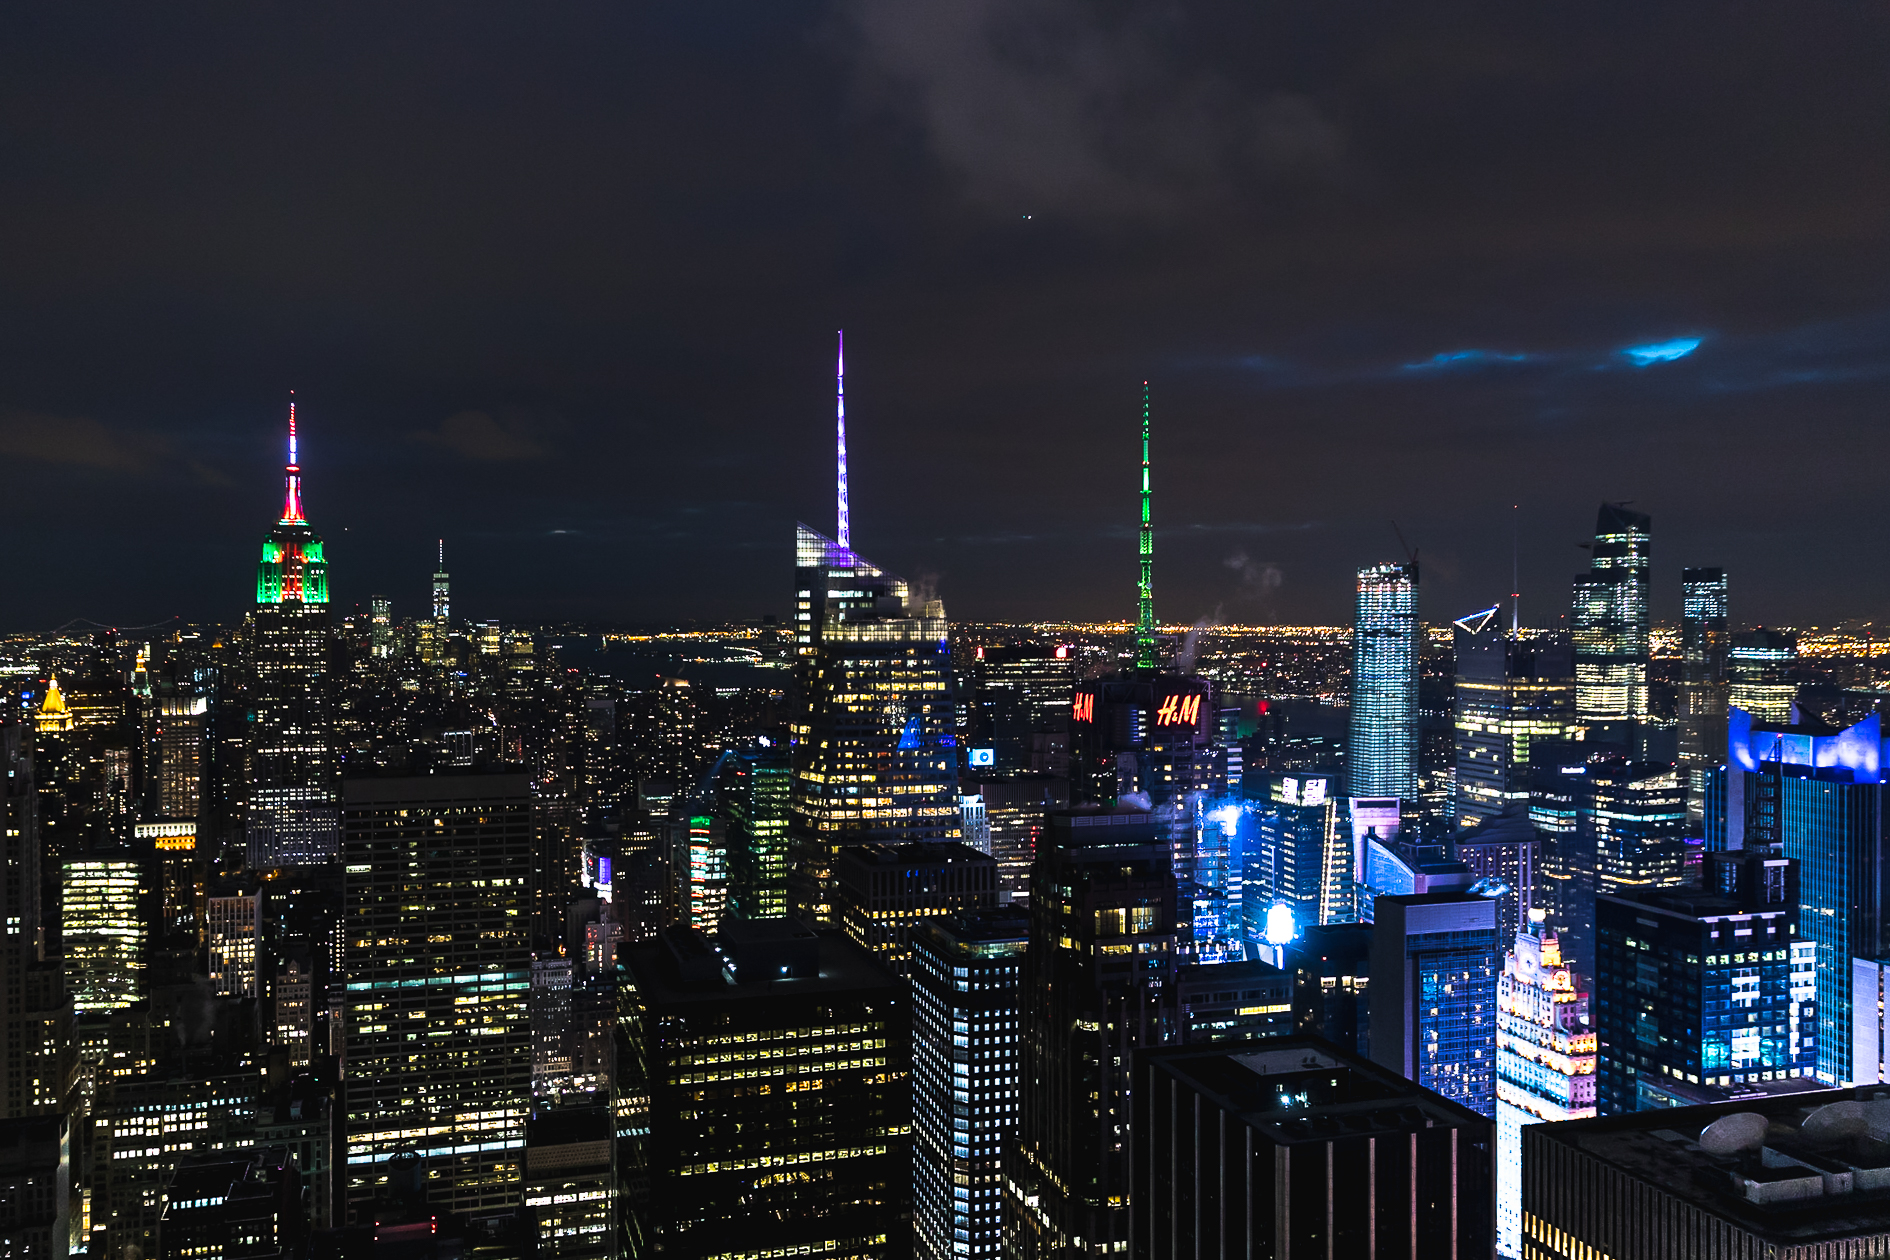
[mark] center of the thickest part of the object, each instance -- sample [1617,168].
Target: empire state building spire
[292,479]
[294,569]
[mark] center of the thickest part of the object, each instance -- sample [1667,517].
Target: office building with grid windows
[436,914]
[967,972]
[1433,993]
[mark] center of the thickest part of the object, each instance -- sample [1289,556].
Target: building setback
[1290,1148]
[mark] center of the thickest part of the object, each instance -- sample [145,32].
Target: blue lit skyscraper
[1701,991]
[1382,748]
[1434,964]
[1817,799]
[1610,620]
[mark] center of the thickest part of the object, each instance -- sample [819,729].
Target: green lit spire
[1145,589]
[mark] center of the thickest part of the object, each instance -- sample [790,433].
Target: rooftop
[843,968]
[1792,1167]
[1305,1089]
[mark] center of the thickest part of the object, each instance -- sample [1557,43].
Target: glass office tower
[1703,644]
[1382,749]
[755,789]
[1817,799]
[1510,692]
[966,1046]
[1611,620]
[874,739]
[105,904]
[1433,993]
[293,818]
[1759,666]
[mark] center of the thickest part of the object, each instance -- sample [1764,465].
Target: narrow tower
[1145,589]
[441,583]
[844,534]
[292,817]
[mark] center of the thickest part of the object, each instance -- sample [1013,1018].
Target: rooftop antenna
[845,532]
[292,475]
[1515,570]
[1145,588]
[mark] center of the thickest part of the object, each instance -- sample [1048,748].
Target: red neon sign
[1179,711]
[1084,710]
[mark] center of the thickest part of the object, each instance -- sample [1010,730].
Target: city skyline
[602,377]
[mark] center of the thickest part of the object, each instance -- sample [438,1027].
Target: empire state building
[294,817]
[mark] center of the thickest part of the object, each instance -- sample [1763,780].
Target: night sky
[559,283]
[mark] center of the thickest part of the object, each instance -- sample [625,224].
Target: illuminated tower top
[1145,589]
[441,584]
[293,569]
[842,535]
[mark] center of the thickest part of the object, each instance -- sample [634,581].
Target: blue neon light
[1662,351]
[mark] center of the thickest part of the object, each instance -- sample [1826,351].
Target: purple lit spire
[842,535]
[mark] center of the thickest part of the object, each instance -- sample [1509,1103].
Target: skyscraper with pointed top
[1145,657]
[442,589]
[293,817]
[873,733]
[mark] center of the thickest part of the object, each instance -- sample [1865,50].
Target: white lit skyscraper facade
[1545,1060]
[966,1049]
[1382,748]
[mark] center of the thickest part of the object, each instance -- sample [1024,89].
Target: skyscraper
[966,978]
[1145,629]
[1759,668]
[1611,621]
[1817,799]
[1703,698]
[887,890]
[1382,747]
[777,1077]
[874,731]
[1705,989]
[1545,1060]
[755,788]
[442,590]
[1510,693]
[105,904]
[1433,993]
[1786,1176]
[1099,968]
[293,817]
[437,955]
[1293,1149]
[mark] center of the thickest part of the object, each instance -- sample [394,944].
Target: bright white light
[1228,816]
[1280,926]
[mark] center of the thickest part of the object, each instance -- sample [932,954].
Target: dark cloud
[477,436]
[560,284]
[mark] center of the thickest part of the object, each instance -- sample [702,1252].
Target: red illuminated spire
[292,479]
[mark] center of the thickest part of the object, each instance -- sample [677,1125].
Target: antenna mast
[1515,571]
[843,535]
[1145,590]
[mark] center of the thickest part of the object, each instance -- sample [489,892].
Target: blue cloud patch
[1662,351]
